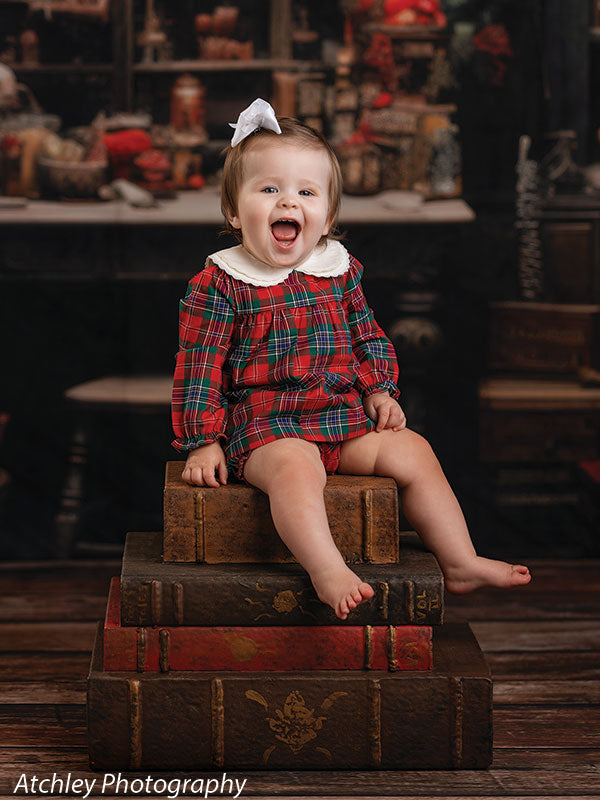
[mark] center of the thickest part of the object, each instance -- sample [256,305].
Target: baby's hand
[385,411]
[201,465]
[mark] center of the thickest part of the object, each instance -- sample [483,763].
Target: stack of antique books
[216,652]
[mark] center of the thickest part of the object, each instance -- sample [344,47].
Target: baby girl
[283,375]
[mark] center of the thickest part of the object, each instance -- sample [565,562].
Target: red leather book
[282,648]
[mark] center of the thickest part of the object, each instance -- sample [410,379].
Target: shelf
[409,32]
[61,68]
[213,65]
[204,208]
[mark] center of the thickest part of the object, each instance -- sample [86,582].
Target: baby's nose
[287,201]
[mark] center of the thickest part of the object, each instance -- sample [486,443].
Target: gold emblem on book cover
[283,602]
[295,724]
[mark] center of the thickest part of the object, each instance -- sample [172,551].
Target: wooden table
[542,643]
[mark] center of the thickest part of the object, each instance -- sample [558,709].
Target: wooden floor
[542,643]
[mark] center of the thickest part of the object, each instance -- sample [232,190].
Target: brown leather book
[434,719]
[232,523]
[410,592]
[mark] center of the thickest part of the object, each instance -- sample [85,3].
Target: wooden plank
[63,570]
[47,636]
[48,667]
[46,607]
[67,693]
[561,692]
[537,635]
[538,666]
[565,759]
[547,727]
[542,605]
[47,726]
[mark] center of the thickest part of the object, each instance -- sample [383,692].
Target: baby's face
[283,203]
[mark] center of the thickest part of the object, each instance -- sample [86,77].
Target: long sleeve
[378,366]
[199,404]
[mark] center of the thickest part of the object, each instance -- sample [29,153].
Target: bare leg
[430,506]
[291,473]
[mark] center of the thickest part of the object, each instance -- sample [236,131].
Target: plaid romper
[268,353]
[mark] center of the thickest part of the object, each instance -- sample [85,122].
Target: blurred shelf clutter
[158,87]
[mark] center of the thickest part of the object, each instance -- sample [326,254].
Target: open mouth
[285,231]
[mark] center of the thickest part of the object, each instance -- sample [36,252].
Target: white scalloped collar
[325,261]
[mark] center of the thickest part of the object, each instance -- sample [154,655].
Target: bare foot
[341,589]
[485,572]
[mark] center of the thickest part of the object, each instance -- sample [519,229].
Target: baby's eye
[269,189]
[306,192]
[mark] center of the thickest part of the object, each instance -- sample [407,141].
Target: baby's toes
[350,602]
[356,596]
[343,608]
[366,591]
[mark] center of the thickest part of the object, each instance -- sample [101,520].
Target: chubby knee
[285,461]
[404,452]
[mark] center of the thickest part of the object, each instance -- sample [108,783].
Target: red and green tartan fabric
[291,360]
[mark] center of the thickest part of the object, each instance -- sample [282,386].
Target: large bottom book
[436,719]
[377,647]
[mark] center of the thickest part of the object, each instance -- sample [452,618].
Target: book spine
[174,603]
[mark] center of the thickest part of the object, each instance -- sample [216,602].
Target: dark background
[57,333]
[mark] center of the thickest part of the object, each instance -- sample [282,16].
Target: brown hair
[292,130]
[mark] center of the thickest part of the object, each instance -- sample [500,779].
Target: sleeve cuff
[384,386]
[192,443]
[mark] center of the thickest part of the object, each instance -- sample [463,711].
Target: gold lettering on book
[295,724]
[425,604]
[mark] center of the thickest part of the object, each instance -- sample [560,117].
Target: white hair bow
[259,114]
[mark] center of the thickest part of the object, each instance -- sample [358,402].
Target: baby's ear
[234,222]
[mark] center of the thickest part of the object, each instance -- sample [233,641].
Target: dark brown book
[232,523]
[410,592]
[436,719]
[544,337]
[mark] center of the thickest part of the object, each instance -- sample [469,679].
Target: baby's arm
[202,463]
[199,397]
[385,411]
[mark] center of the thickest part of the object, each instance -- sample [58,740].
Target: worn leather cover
[390,647]
[232,523]
[433,719]
[410,592]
